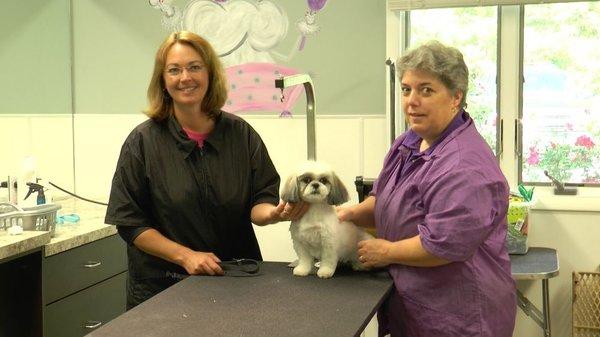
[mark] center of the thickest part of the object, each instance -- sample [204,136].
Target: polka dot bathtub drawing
[251,88]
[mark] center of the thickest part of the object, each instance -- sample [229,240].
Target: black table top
[538,263]
[275,303]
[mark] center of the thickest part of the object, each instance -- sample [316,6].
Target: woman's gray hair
[445,63]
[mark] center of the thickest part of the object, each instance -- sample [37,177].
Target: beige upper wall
[114,42]
[35,56]
[114,45]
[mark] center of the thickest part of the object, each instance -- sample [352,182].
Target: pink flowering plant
[574,162]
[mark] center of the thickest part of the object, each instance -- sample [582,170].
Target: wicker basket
[35,218]
[586,304]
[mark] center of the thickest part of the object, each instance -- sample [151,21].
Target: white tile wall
[346,143]
[353,145]
[98,140]
[48,138]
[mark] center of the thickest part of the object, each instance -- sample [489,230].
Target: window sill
[587,200]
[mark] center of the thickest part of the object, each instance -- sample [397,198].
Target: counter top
[91,227]
[13,245]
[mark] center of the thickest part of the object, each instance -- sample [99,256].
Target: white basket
[35,218]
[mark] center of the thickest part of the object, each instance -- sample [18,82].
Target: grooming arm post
[289,81]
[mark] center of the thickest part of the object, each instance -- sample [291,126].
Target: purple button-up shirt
[455,197]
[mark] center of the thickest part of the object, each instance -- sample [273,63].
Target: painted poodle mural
[245,35]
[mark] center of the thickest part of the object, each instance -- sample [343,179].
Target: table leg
[541,317]
[546,308]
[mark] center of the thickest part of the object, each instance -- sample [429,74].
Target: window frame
[509,105]
[519,127]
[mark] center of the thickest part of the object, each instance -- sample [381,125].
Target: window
[561,93]
[479,50]
[554,49]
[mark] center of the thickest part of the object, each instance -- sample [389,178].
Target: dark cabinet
[20,300]
[84,287]
[84,311]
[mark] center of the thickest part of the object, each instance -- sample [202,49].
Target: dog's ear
[290,192]
[338,194]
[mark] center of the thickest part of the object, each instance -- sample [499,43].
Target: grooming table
[538,264]
[275,303]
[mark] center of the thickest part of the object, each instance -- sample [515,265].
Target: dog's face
[315,183]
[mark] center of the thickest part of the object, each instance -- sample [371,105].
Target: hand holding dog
[266,214]
[374,253]
[344,213]
[288,211]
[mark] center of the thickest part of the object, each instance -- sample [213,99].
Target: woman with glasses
[439,206]
[192,179]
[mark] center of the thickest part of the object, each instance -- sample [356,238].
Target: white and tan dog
[319,234]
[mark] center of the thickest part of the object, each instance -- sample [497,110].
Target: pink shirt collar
[196,136]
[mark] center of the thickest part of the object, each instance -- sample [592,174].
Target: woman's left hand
[374,253]
[287,211]
[292,211]
[265,213]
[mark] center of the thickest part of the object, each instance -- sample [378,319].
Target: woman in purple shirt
[439,206]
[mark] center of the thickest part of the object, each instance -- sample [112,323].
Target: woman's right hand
[201,263]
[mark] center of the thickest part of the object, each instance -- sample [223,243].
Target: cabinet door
[81,267]
[21,296]
[81,313]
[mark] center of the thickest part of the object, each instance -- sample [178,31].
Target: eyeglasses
[192,69]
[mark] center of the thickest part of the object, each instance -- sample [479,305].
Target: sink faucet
[290,81]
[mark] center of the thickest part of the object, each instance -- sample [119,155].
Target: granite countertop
[91,227]
[13,245]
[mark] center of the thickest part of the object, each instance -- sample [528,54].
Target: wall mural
[245,34]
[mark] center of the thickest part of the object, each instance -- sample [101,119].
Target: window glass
[473,30]
[561,93]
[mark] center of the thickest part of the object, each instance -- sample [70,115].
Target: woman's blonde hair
[160,103]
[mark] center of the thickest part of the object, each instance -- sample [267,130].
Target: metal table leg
[542,318]
[546,307]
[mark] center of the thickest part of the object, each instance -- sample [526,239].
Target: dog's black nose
[315,185]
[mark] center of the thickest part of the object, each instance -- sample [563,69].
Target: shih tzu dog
[319,234]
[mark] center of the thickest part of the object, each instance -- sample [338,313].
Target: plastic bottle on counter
[4,191]
[47,192]
[12,190]
[28,175]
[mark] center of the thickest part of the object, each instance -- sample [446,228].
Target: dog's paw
[301,270]
[325,272]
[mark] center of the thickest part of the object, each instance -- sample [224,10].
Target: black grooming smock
[198,197]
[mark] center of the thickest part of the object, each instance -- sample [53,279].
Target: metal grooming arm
[392,69]
[290,81]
